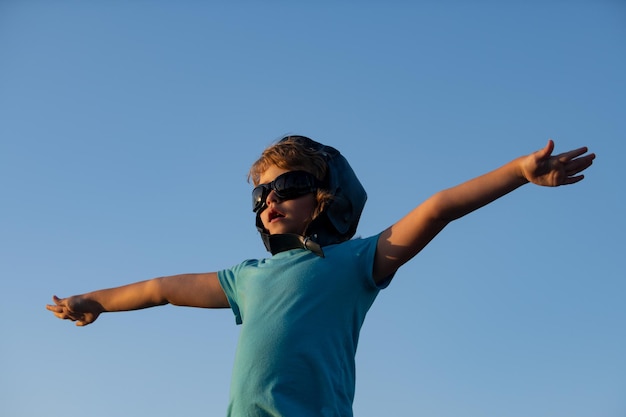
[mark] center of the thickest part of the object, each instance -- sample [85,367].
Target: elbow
[441,208]
[158,291]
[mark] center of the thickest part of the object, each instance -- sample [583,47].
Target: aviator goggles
[290,185]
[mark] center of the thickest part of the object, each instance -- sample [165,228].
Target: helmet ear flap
[349,197]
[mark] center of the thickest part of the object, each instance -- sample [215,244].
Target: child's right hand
[82,310]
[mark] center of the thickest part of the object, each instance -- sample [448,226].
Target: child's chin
[282,230]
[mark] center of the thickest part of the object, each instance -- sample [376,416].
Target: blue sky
[126,132]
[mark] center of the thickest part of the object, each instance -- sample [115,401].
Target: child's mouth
[274,216]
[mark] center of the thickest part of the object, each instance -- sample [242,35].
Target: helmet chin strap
[287,241]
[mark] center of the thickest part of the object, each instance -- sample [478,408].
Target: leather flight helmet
[339,219]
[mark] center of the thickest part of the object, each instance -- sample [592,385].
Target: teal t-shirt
[300,318]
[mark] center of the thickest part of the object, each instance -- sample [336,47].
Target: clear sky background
[126,133]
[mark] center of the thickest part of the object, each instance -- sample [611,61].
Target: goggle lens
[287,186]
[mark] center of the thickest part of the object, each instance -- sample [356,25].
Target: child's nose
[272,197]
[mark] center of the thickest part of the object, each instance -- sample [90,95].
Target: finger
[54,308]
[547,150]
[85,320]
[58,307]
[58,314]
[63,315]
[578,165]
[573,180]
[568,156]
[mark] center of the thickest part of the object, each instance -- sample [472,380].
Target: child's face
[286,216]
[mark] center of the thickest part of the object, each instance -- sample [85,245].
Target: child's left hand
[543,168]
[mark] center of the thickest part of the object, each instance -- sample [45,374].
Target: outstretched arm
[193,290]
[406,238]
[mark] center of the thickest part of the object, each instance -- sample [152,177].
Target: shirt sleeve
[228,281]
[369,246]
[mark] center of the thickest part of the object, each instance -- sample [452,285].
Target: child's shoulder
[355,245]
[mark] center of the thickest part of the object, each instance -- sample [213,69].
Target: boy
[301,310]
